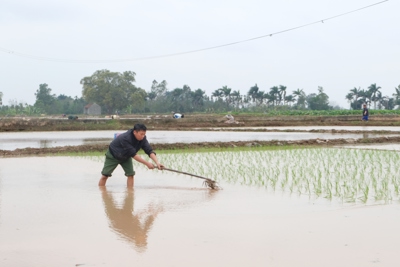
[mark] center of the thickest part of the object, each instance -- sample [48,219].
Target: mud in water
[12,141]
[182,146]
[52,213]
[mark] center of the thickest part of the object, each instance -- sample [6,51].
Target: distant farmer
[178,116]
[125,147]
[365,113]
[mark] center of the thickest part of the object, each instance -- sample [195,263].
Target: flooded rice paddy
[293,207]
[14,140]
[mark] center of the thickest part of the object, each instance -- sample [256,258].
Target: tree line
[357,97]
[116,92]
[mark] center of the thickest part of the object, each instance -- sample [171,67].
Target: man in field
[178,116]
[365,113]
[125,147]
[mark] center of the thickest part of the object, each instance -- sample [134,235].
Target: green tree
[365,97]
[226,93]
[1,98]
[396,95]
[349,98]
[157,90]
[181,99]
[198,99]
[236,99]
[289,99]
[318,101]
[270,98]
[253,92]
[356,93]
[275,95]
[44,98]
[387,102]
[137,103]
[374,90]
[217,94]
[282,93]
[355,98]
[300,98]
[111,90]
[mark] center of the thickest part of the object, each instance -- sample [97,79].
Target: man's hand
[150,165]
[160,166]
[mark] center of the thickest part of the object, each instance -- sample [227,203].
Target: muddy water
[366,128]
[14,140]
[53,214]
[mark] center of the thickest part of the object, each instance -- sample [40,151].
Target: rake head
[211,184]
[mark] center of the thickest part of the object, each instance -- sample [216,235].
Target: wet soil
[196,123]
[53,214]
[194,146]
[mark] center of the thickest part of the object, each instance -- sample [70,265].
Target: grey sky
[355,50]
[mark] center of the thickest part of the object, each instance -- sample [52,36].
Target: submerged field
[339,174]
[280,206]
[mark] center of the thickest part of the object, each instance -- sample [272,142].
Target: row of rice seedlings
[348,174]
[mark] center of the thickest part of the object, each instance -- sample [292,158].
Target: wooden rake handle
[201,177]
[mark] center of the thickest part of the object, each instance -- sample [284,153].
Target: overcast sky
[354,50]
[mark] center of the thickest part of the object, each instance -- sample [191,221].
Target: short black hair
[139,127]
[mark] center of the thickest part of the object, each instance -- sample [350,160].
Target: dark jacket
[126,146]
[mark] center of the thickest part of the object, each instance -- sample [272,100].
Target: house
[92,109]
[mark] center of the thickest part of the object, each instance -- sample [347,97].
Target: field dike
[198,121]
[193,146]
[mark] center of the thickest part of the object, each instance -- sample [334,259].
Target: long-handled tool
[207,181]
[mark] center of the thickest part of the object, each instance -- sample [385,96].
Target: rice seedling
[350,175]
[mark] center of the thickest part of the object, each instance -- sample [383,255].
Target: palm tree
[274,91]
[236,98]
[374,90]
[282,93]
[356,93]
[396,94]
[217,93]
[349,98]
[300,96]
[270,98]
[197,98]
[226,92]
[289,99]
[365,97]
[253,92]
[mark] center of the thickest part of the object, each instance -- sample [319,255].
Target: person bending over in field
[125,147]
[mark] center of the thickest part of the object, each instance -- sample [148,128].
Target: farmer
[365,113]
[178,115]
[125,147]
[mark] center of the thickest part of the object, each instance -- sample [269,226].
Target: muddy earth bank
[193,146]
[190,122]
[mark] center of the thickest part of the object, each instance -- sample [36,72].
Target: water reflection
[11,141]
[130,225]
[134,223]
[45,143]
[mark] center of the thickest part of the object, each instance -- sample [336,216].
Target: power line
[186,52]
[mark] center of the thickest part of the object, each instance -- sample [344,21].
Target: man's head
[365,105]
[139,131]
